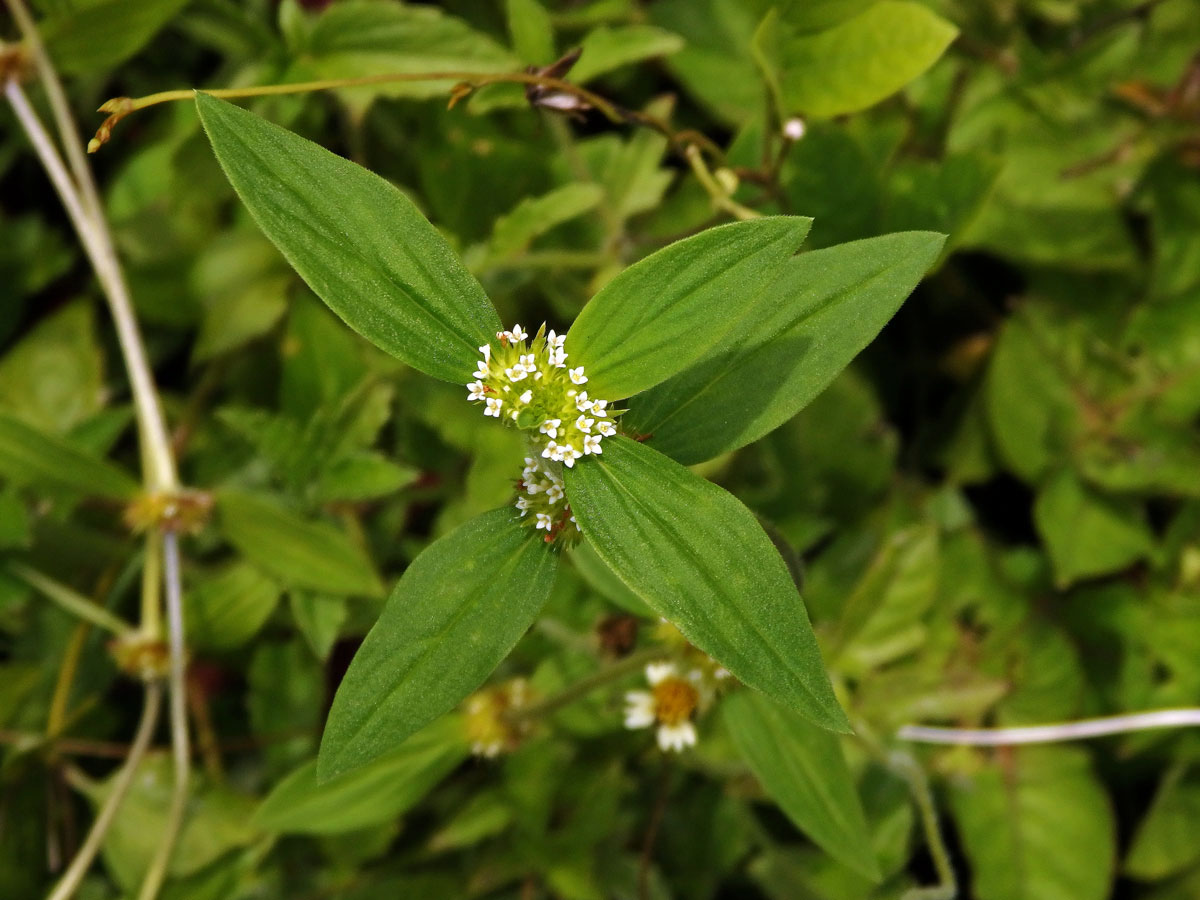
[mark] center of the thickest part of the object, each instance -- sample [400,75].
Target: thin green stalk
[72,601]
[584,686]
[71,879]
[180,749]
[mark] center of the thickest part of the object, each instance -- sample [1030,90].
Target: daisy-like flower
[591,444]
[577,376]
[493,407]
[489,729]
[670,704]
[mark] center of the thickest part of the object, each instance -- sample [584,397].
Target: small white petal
[584,424]
[527,396]
[656,672]
[577,375]
[606,429]
[676,737]
[639,709]
[518,333]
[486,350]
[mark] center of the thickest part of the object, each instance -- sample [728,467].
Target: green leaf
[30,456]
[54,378]
[534,216]
[216,821]
[1037,827]
[825,308]
[97,35]
[803,769]
[672,308]
[605,49]
[531,31]
[319,618]
[357,241]
[699,558]
[1086,533]
[300,552]
[357,38]
[376,792]
[455,614]
[854,64]
[228,609]
[1165,842]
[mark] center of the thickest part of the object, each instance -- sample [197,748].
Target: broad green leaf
[604,581]
[605,49]
[854,64]
[356,38]
[228,609]
[30,456]
[319,618]
[825,308]
[362,476]
[216,821]
[54,377]
[1165,842]
[357,241]
[802,768]
[298,551]
[1086,533]
[531,31]
[1037,826]
[243,286]
[377,792]
[674,307]
[455,614]
[700,559]
[98,34]
[534,216]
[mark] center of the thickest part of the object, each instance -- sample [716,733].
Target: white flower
[516,373]
[526,397]
[527,362]
[544,521]
[582,403]
[523,505]
[493,407]
[584,424]
[554,493]
[670,704]
[793,129]
[516,414]
[550,427]
[533,487]
[476,389]
[569,455]
[518,333]
[553,339]
[551,451]
[577,375]
[486,350]
[591,444]
[598,408]
[481,369]
[606,428]
[558,358]
[531,468]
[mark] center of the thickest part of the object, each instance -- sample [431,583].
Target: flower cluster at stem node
[527,384]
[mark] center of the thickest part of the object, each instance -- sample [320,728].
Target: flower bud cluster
[528,384]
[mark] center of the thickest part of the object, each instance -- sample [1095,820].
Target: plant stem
[1056,733]
[73,877]
[584,686]
[181,752]
[719,196]
[73,602]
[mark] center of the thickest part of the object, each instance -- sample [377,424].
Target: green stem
[180,749]
[73,877]
[584,686]
[73,602]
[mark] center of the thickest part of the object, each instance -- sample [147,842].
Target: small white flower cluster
[531,387]
[671,704]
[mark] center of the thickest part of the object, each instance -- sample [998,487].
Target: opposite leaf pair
[710,343]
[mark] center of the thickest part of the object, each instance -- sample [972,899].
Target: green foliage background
[993,514]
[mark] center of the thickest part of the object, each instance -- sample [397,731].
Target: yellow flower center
[674,701]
